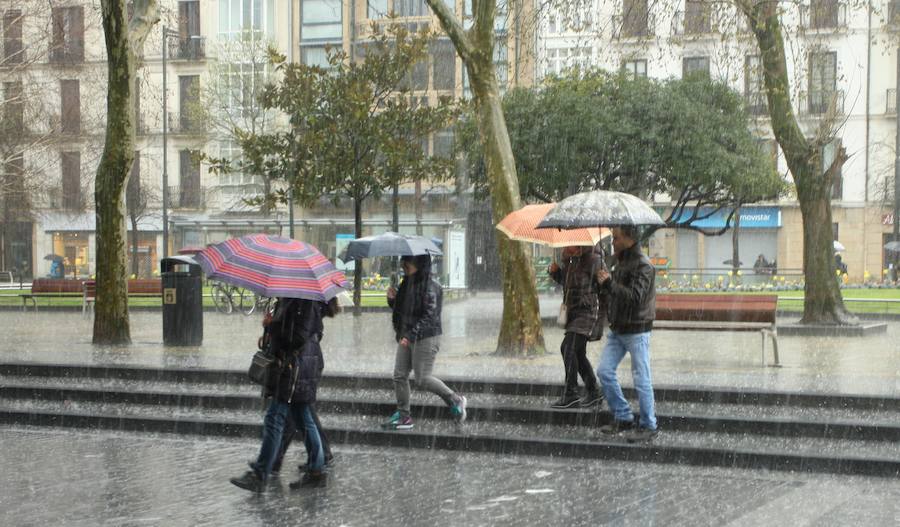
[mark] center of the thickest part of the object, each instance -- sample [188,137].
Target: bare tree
[124,47]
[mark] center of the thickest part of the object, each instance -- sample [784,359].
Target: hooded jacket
[632,292]
[585,302]
[295,331]
[418,304]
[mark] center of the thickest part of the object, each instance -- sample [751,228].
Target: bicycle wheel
[248,302]
[222,299]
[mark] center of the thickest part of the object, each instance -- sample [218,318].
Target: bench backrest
[90,289]
[56,286]
[717,308]
[145,286]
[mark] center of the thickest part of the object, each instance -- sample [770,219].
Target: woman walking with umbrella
[416,317]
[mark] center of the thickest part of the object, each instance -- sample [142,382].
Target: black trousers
[575,362]
[290,433]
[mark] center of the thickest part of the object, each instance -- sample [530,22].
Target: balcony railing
[823,15]
[633,26]
[187,48]
[893,14]
[364,29]
[757,104]
[183,124]
[822,102]
[692,23]
[186,197]
[891,101]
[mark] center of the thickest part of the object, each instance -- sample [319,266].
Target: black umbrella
[892,247]
[600,208]
[731,262]
[389,244]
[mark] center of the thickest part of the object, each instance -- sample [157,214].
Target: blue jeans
[273,430]
[638,345]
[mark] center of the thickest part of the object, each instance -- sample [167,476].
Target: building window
[322,20]
[827,153]
[189,100]
[443,59]
[754,87]
[501,63]
[695,67]
[315,56]
[635,68]
[189,45]
[557,60]
[823,14]
[417,78]
[68,34]
[443,143]
[377,9]
[189,180]
[70,106]
[697,17]
[70,166]
[635,18]
[822,80]
[411,8]
[12,37]
[239,16]
[13,106]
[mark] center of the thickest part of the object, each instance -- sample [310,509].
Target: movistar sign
[751,218]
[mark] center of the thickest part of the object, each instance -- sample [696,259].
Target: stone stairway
[713,427]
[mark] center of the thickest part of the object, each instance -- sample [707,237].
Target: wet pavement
[852,365]
[110,478]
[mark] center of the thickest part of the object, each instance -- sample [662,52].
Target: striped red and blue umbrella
[273,266]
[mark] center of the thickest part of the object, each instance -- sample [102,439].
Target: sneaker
[591,399]
[642,435]
[398,421]
[458,410]
[311,480]
[616,427]
[249,481]
[566,401]
[305,467]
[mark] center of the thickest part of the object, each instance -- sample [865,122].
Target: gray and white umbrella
[839,247]
[600,208]
[892,247]
[389,244]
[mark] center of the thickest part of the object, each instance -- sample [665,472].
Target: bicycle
[228,297]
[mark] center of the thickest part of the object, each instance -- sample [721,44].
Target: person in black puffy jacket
[416,317]
[294,332]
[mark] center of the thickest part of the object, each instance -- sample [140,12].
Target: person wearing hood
[416,317]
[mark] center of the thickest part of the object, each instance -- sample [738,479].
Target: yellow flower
[837,272]
[730,273]
[739,273]
[707,286]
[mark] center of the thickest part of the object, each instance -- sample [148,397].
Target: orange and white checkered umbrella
[521,225]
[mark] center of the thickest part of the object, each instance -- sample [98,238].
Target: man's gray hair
[632,231]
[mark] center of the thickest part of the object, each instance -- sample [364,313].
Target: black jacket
[585,302]
[632,292]
[417,307]
[294,333]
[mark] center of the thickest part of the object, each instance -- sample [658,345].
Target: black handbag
[261,367]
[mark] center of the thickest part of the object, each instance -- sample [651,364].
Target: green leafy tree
[688,139]
[353,129]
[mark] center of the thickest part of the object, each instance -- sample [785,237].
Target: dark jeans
[273,430]
[290,431]
[575,361]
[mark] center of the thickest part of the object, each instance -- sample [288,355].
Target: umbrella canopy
[521,225]
[600,208]
[731,262]
[190,249]
[273,266]
[54,258]
[892,247]
[389,244]
[838,247]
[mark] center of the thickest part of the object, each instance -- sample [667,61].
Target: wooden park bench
[729,312]
[85,289]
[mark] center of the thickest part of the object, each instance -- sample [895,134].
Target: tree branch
[453,28]
[146,15]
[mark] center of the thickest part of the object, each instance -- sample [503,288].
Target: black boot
[250,481]
[311,480]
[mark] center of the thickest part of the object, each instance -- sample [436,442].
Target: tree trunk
[735,243]
[823,303]
[111,324]
[357,265]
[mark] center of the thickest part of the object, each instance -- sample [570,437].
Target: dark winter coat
[632,292]
[585,302]
[295,332]
[418,304]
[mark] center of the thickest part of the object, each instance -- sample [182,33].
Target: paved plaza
[853,365]
[64,477]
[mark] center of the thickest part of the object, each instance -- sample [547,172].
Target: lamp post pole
[166,33]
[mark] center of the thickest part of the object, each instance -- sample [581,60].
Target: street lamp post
[166,33]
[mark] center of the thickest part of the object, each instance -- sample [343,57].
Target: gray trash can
[182,289]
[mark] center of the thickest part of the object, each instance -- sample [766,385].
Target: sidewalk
[851,365]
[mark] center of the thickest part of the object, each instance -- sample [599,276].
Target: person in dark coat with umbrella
[296,330]
[585,313]
[416,317]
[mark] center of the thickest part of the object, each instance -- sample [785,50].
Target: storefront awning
[751,218]
[85,222]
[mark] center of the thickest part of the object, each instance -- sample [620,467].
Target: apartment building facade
[842,60]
